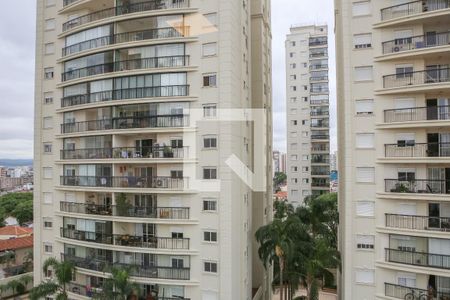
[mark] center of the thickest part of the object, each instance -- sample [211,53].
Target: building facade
[393,62]
[308,121]
[131,144]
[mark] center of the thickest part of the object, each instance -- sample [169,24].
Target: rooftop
[16,230]
[18,243]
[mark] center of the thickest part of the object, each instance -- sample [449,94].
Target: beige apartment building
[307,104]
[131,145]
[393,61]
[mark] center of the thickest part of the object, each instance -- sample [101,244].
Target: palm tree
[118,286]
[63,275]
[276,243]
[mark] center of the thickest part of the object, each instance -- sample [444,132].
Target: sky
[17,38]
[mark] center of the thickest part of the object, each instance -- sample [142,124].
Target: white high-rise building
[131,145]
[308,120]
[393,61]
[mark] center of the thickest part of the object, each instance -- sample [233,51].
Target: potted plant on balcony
[123,206]
[168,153]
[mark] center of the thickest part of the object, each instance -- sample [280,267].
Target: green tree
[23,212]
[279,178]
[58,286]
[118,286]
[18,205]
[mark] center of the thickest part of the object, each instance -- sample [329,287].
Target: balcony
[417,114]
[418,222]
[164,152]
[125,182]
[320,148]
[422,259]
[134,36]
[127,210]
[163,121]
[417,186]
[418,150]
[319,78]
[126,94]
[126,240]
[402,292]
[320,183]
[409,79]
[68,2]
[318,41]
[318,67]
[128,65]
[318,113]
[412,8]
[134,270]
[123,10]
[416,42]
[320,137]
[323,124]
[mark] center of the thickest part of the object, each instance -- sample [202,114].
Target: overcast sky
[17,35]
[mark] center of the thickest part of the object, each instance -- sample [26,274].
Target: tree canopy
[17,205]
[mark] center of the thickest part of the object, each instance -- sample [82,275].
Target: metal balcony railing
[319,78]
[127,240]
[417,114]
[406,292]
[318,67]
[134,36]
[320,113]
[144,182]
[416,78]
[127,210]
[123,10]
[128,65]
[412,8]
[418,222]
[162,121]
[417,150]
[126,94]
[135,270]
[420,186]
[126,153]
[414,258]
[320,137]
[416,42]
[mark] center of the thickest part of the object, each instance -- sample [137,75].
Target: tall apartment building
[308,121]
[393,96]
[131,145]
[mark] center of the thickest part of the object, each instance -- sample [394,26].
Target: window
[365,175]
[294,146]
[406,174]
[209,173]
[365,140]
[294,193]
[47,148]
[211,19]
[364,107]
[293,77]
[209,205]
[305,169]
[406,139]
[209,49]
[49,3]
[293,99]
[210,236]
[363,73]
[362,40]
[48,248]
[293,134]
[294,122]
[294,157]
[294,180]
[305,157]
[294,169]
[48,198]
[49,48]
[403,71]
[48,98]
[365,276]
[177,233]
[293,43]
[361,8]
[50,24]
[293,88]
[177,263]
[292,54]
[305,99]
[48,173]
[365,208]
[404,103]
[210,80]
[365,241]
[210,110]
[48,224]
[47,123]
[293,66]
[305,181]
[210,267]
[176,174]
[304,122]
[210,142]
[293,111]
[176,143]
[49,73]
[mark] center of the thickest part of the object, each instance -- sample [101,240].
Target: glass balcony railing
[408,79]
[417,150]
[416,42]
[406,292]
[415,258]
[418,186]
[417,114]
[126,240]
[418,222]
[126,153]
[413,8]
[126,210]
[123,10]
[144,182]
[127,65]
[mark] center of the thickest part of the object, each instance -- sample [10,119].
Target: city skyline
[18,51]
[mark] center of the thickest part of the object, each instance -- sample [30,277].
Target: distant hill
[15,162]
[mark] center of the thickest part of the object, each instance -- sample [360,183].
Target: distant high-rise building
[334,161]
[276,161]
[308,122]
[129,133]
[393,94]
